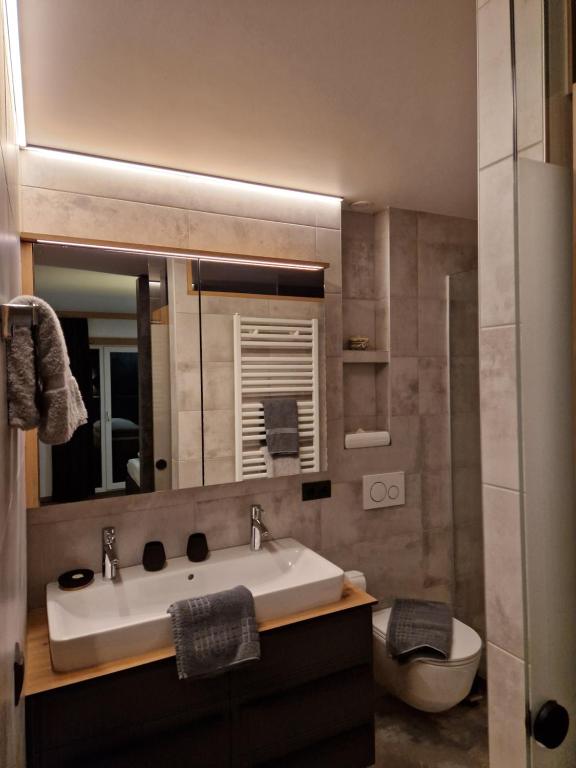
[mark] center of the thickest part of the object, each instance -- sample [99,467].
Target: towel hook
[18,316]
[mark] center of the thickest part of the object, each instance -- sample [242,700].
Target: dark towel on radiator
[281,424]
[419,628]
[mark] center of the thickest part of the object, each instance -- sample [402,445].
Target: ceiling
[369,99]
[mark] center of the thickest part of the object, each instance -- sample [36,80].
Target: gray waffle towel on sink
[213,633]
[419,628]
[281,424]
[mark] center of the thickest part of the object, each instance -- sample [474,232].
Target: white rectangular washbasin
[108,620]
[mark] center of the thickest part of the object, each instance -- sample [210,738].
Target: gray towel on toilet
[419,628]
[214,633]
[281,424]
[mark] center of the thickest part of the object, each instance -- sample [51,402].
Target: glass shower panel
[465,450]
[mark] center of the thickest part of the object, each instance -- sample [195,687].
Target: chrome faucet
[258,530]
[110,562]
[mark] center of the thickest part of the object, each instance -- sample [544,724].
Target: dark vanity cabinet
[308,702]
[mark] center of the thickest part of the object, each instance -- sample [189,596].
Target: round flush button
[393,492]
[378,491]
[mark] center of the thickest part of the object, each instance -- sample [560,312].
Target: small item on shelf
[362,439]
[76,579]
[197,549]
[154,556]
[358,342]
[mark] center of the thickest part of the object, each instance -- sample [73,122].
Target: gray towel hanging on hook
[41,389]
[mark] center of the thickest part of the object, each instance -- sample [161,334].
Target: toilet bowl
[431,685]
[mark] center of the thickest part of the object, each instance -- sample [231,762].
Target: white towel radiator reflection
[274,357]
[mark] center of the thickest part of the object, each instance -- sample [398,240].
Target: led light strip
[247,186]
[12,37]
[186,257]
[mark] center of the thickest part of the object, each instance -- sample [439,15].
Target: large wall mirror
[184,363]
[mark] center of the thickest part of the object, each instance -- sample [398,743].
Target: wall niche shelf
[373,356]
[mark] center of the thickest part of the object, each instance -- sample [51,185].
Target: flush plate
[385,490]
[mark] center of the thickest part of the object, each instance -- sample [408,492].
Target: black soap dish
[76,579]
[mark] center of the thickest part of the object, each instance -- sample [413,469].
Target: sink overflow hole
[190,576]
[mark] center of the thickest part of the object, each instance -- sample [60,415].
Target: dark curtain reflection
[73,462]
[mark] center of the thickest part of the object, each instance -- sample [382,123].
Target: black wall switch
[321,489]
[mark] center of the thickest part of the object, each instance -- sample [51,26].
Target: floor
[407,738]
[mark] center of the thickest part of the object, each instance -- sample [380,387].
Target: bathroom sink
[107,620]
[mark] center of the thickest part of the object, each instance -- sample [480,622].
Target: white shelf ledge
[378,356]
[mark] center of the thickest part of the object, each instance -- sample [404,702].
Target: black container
[154,557]
[197,549]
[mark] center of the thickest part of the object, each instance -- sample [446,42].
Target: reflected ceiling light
[12,37]
[311,267]
[246,186]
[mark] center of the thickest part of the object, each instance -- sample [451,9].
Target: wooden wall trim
[188,253]
[31,460]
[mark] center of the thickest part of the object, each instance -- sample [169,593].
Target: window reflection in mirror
[112,309]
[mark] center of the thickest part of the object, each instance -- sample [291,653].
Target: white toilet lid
[466,642]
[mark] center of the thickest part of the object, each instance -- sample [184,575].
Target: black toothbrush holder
[197,549]
[154,556]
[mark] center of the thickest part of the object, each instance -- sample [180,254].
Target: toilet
[431,685]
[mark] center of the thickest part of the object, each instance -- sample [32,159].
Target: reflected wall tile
[507,710]
[218,471]
[229,305]
[187,474]
[187,337]
[188,386]
[496,267]
[218,386]
[217,339]
[404,386]
[219,432]
[498,406]
[495,112]
[503,568]
[189,436]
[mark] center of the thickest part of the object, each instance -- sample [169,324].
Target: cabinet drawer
[275,726]
[203,743]
[352,749]
[306,651]
[120,701]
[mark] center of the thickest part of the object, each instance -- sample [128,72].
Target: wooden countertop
[41,677]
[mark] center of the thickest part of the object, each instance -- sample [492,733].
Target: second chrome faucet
[258,531]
